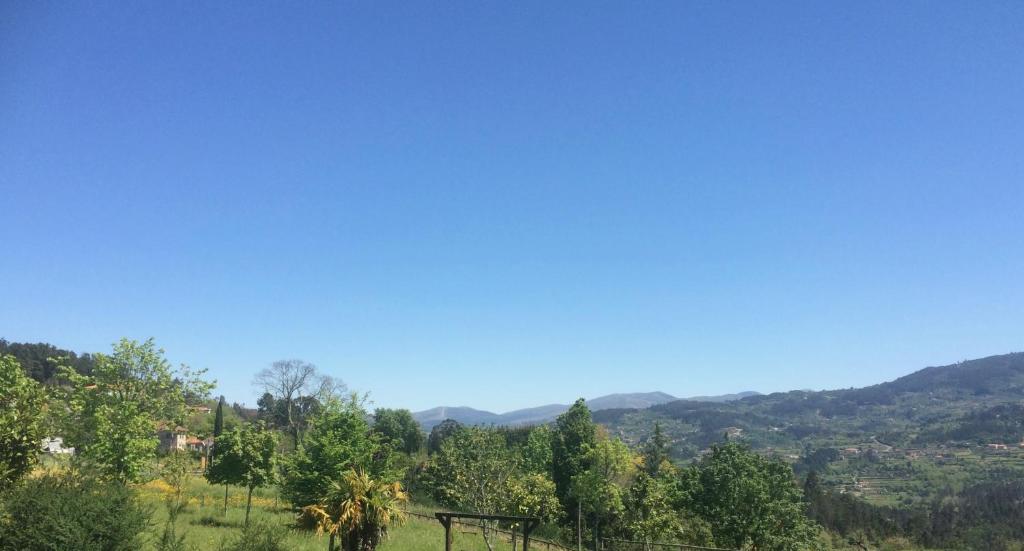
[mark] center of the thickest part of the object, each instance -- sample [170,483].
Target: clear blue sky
[504,205]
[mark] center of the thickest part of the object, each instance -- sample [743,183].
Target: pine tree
[656,451]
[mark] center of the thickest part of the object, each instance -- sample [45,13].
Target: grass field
[206,526]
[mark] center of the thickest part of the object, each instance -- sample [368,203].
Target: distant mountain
[722,397]
[977,402]
[464,415]
[543,414]
[637,400]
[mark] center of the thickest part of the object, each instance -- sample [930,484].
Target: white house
[55,446]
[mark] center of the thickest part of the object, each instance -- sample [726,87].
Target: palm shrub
[358,510]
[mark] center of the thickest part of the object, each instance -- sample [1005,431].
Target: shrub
[58,512]
[259,535]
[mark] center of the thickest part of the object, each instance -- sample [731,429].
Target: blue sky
[507,204]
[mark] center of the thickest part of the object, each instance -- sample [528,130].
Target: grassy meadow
[206,526]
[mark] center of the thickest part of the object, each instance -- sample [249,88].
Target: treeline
[590,486]
[1000,423]
[336,468]
[985,516]
[41,361]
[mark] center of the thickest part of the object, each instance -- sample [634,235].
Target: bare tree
[288,380]
[301,389]
[329,388]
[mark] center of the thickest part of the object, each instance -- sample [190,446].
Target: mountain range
[970,403]
[543,414]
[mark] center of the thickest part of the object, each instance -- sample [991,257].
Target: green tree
[652,517]
[656,451]
[268,411]
[243,457]
[339,439]
[22,403]
[574,434]
[111,412]
[472,471]
[600,487]
[177,472]
[218,420]
[258,460]
[537,454]
[750,502]
[225,466]
[531,495]
[399,426]
[441,432]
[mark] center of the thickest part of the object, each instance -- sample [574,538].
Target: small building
[733,432]
[194,444]
[171,439]
[55,446]
[201,409]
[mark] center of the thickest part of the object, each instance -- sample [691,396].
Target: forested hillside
[36,359]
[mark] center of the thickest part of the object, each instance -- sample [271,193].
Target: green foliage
[218,420]
[41,361]
[441,432]
[399,427]
[537,453]
[359,510]
[533,495]
[204,425]
[656,452]
[57,513]
[471,470]
[258,536]
[244,457]
[574,434]
[599,487]
[177,472]
[338,440]
[22,404]
[749,501]
[475,470]
[258,446]
[651,515]
[111,414]
[226,463]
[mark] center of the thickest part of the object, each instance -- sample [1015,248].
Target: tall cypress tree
[218,421]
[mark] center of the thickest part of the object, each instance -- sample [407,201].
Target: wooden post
[446,521]
[528,527]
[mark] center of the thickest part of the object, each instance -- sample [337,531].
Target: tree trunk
[225,512]
[248,505]
[330,542]
[487,536]
[579,526]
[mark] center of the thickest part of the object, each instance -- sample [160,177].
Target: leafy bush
[257,536]
[58,512]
